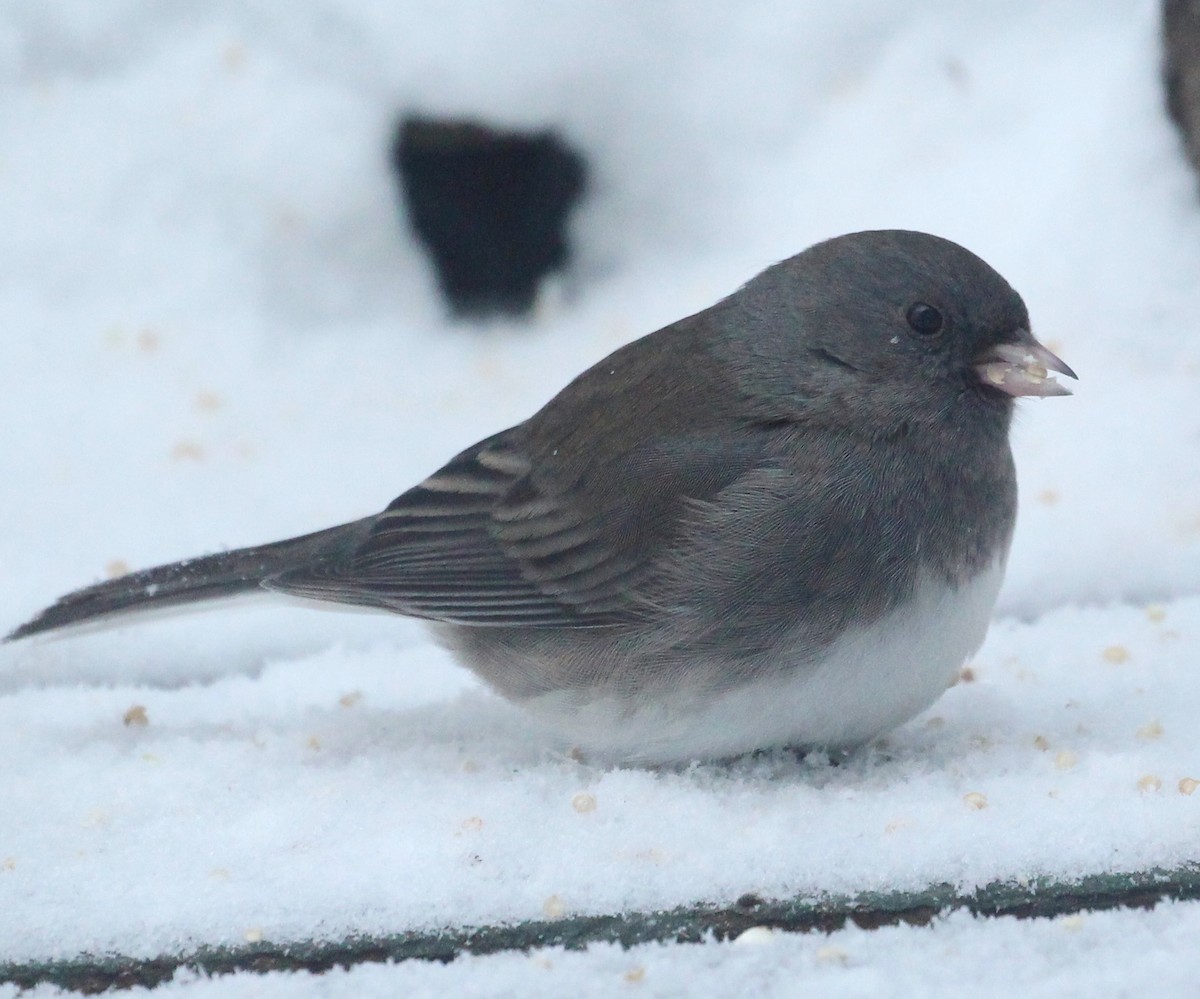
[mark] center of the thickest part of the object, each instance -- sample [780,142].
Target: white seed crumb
[831,955]
[584,802]
[1188,785]
[975,800]
[253,935]
[554,907]
[1116,654]
[95,819]
[755,936]
[1149,783]
[1150,731]
[1065,760]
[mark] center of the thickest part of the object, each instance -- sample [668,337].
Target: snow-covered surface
[217,332]
[1082,956]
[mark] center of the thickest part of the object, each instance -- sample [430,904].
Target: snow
[1103,953]
[218,332]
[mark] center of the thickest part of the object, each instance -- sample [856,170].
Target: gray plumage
[695,535]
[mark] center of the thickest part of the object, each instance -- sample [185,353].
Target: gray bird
[783,520]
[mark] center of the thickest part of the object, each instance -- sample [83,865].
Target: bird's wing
[490,539]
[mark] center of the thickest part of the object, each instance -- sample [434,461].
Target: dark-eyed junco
[783,520]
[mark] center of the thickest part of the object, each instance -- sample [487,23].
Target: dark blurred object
[1181,70]
[490,206]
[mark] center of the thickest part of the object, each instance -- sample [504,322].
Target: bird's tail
[209,577]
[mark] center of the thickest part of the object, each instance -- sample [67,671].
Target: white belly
[865,684]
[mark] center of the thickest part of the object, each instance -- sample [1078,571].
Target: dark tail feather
[209,577]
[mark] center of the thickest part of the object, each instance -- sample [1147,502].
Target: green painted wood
[686,924]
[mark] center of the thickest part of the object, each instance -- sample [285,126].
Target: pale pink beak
[1022,368]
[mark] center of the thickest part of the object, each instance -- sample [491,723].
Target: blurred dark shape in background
[1181,70]
[490,206]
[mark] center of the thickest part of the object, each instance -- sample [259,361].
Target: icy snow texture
[1081,956]
[217,332]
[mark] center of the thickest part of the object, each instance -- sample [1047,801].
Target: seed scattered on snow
[350,699]
[1073,923]
[207,401]
[584,802]
[1065,760]
[187,451]
[967,675]
[313,743]
[472,824]
[1188,785]
[253,935]
[1116,654]
[975,800]
[831,955]
[1040,742]
[1149,784]
[116,568]
[554,907]
[1150,732]
[1156,613]
[135,716]
[148,340]
[635,974]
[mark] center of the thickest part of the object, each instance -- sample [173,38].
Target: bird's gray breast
[816,603]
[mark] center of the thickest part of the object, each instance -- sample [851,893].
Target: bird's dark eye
[924,319]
